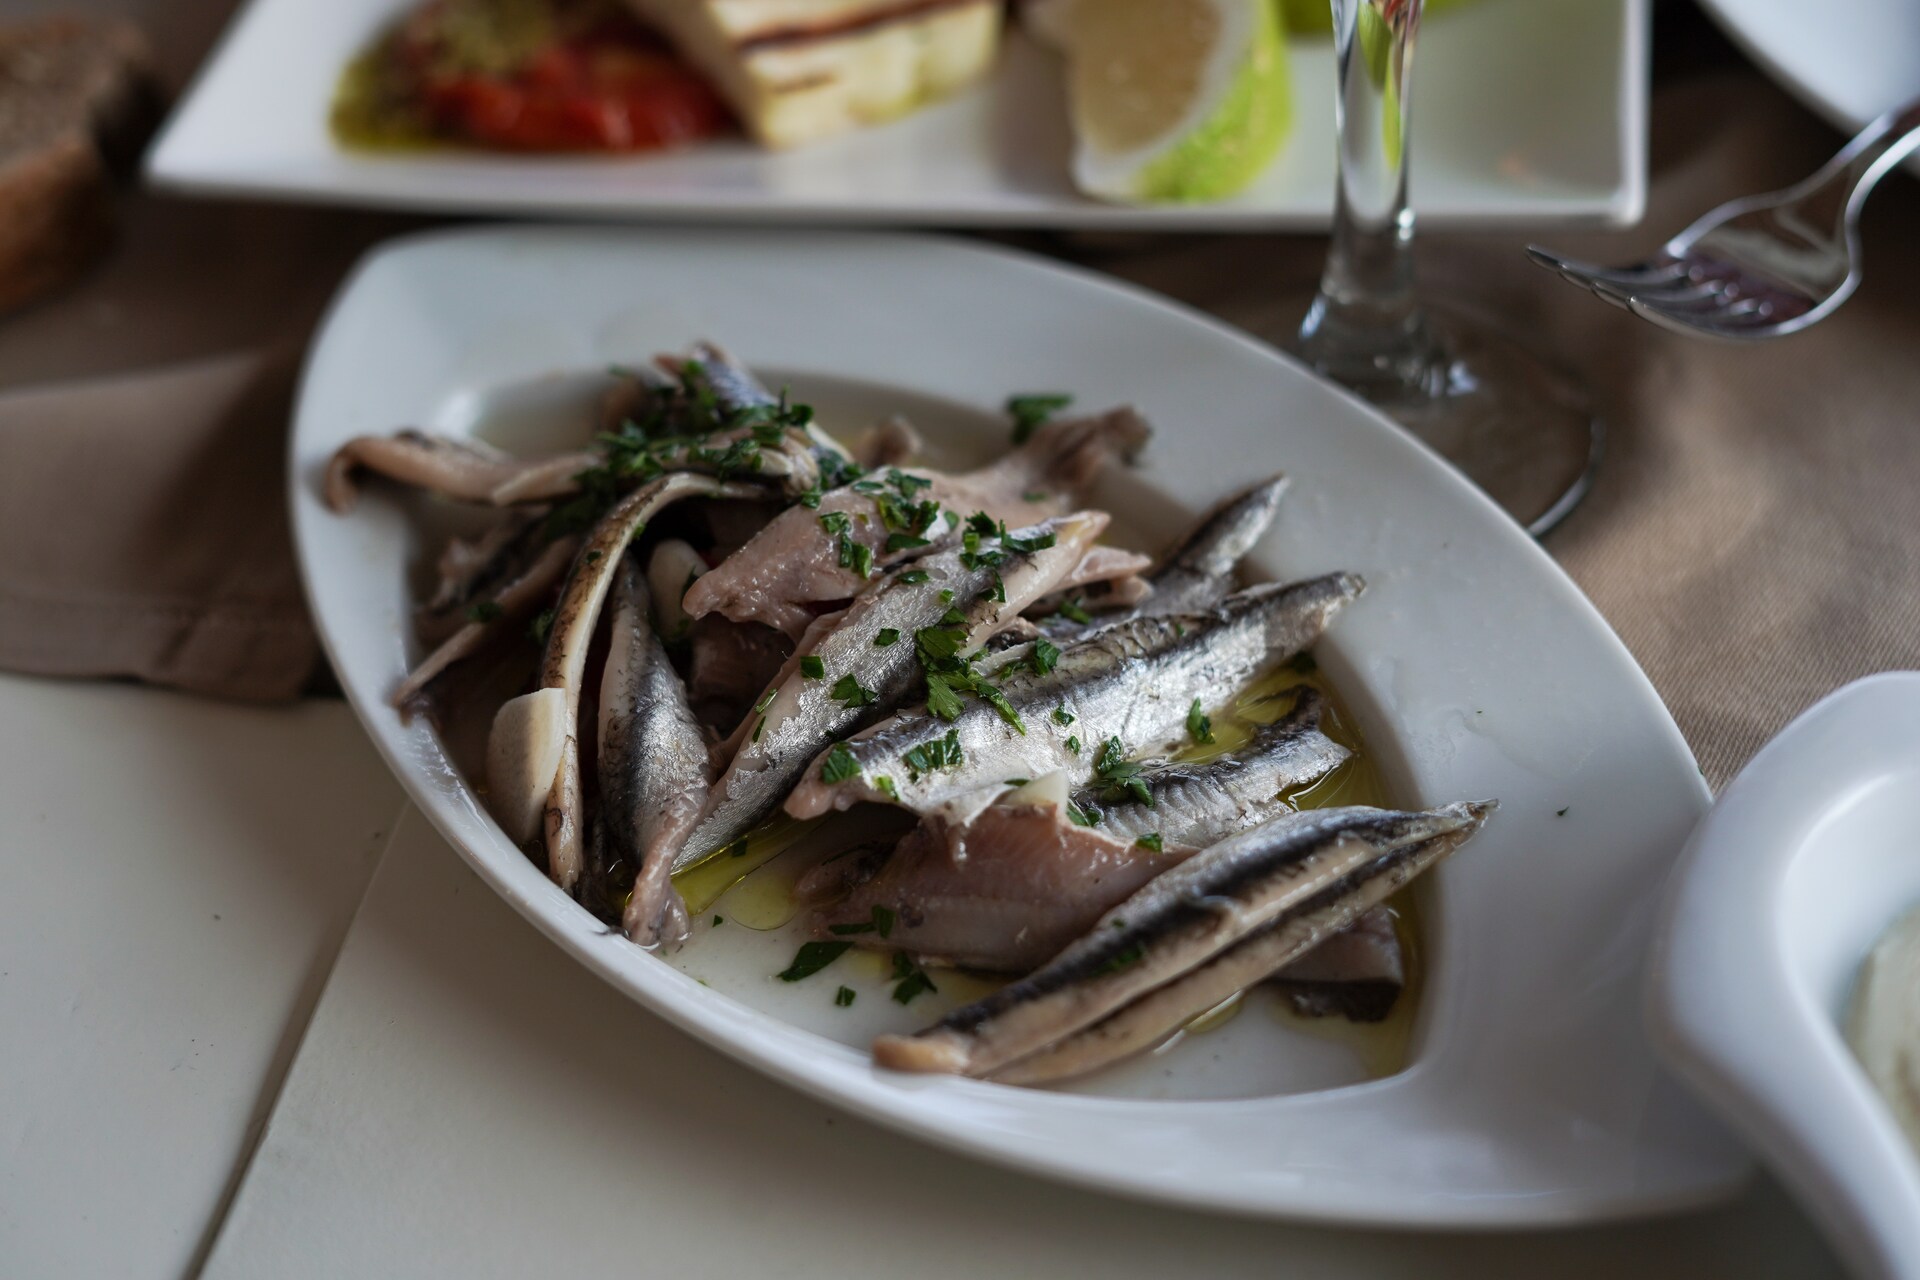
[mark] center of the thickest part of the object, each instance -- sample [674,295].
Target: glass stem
[1365,328]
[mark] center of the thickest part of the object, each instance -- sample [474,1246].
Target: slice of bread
[77,98]
[795,70]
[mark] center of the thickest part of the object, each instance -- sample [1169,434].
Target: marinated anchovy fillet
[1198,572]
[1010,889]
[510,605]
[525,719]
[1134,681]
[653,766]
[848,677]
[460,468]
[1178,922]
[1293,935]
[804,556]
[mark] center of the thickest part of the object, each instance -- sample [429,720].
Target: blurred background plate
[1530,111]
[1849,60]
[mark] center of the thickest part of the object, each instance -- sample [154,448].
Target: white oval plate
[1805,861]
[1475,667]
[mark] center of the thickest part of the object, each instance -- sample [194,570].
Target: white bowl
[1807,858]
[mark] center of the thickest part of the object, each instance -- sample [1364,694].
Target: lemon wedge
[1172,100]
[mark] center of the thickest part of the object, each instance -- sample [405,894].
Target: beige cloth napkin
[1754,535]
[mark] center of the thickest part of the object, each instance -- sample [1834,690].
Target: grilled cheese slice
[796,70]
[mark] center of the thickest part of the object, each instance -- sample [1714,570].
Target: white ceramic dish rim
[1727,1006]
[1502,1138]
[1779,37]
[195,153]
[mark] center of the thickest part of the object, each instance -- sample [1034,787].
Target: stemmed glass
[1518,426]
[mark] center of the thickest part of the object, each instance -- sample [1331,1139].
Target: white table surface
[177,877]
[470,1102]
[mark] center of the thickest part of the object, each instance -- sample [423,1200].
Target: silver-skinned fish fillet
[454,467]
[802,715]
[1198,573]
[510,604]
[1294,935]
[795,562]
[520,744]
[1020,882]
[1177,923]
[653,766]
[1134,681]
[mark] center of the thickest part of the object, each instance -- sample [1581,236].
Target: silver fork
[1765,266]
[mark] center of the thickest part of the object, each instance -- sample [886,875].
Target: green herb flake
[1044,656]
[884,785]
[883,919]
[1073,745]
[485,611]
[541,626]
[1030,410]
[1082,817]
[811,959]
[886,637]
[836,523]
[863,926]
[839,765]
[912,979]
[1561,813]
[1151,842]
[843,997]
[813,668]
[1072,612]
[1062,716]
[718,921]
[913,577]
[942,701]
[1119,776]
[1199,724]
[849,692]
[766,699]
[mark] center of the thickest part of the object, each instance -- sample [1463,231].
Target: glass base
[1515,424]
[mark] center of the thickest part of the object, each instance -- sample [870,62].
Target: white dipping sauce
[1884,1024]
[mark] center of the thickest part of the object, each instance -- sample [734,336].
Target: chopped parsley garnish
[1030,410]
[849,692]
[884,785]
[1043,657]
[1561,813]
[904,542]
[1072,612]
[881,923]
[941,753]
[886,636]
[942,701]
[1119,776]
[913,576]
[812,667]
[857,556]
[839,765]
[912,980]
[1073,745]
[1199,724]
[718,921]
[843,997]
[485,611]
[1151,842]
[1027,546]
[946,597]
[1063,717]
[836,522]
[1016,782]
[766,699]
[1082,817]
[811,959]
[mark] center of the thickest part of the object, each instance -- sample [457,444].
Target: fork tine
[1585,274]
